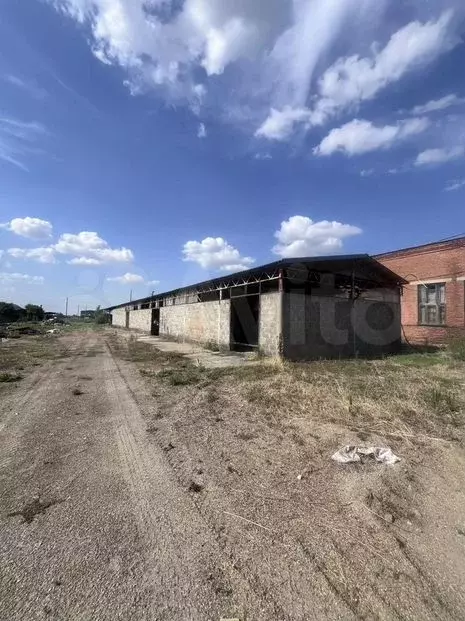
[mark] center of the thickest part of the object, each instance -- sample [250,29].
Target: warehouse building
[323,307]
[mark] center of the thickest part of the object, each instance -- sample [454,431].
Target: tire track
[191,578]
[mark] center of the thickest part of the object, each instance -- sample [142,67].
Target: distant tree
[34,312]
[11,312]
[101,316]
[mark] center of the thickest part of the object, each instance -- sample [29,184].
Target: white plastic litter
[350,454]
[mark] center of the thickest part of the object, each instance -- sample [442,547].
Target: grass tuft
[10,377]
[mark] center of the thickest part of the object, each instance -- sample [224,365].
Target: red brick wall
[435,262]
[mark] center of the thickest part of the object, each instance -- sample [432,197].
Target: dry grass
[28,351]
[10,377]
[258,441]
[409,396]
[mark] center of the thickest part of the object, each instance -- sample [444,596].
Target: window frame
[437,304]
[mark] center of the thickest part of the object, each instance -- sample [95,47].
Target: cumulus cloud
[280,124]
[88,245]
[201,131]
[14,277]
[214,253]
[360,136]
[83,261]
[163,42]
[132,279]
[32,228]
[302,237]
[438,104]
[439,156]
[455,185]
[45,254]
[354,79]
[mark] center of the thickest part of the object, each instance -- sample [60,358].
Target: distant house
[309,308]
[52,315]
[88,314]
[433,302]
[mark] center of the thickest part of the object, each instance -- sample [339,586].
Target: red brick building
[433,303]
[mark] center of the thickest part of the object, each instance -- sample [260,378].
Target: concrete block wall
[201,322]
[141,320]
[269,327]
[118,317]
[433,263]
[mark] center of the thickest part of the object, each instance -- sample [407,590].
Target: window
[432,304]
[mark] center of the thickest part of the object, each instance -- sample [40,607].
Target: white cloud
[455,185]
[280,124]
[301,237]
[201,131]
[280,47]
[88,245]
[353,79]
[8,278]
[83,261]
[214,253]
[367,172]
[360,136]
[132,279]
[41,255]
[438,104]
[439,156]
[163,42]
[33,228]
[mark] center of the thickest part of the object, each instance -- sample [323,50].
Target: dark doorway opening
[127,319]
[155,329]
[245,312]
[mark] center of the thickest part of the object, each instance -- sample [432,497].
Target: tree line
[10,313]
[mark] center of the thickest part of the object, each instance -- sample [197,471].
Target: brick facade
[442,262]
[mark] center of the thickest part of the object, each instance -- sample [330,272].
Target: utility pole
[66,310]
[130,296]
[78,311]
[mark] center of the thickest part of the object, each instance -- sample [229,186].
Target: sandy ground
[134,500]
[101,527]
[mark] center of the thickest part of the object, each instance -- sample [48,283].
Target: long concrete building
[317,307]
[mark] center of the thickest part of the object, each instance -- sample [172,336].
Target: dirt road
[93,523]
[124,497]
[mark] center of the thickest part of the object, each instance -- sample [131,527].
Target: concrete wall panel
[269,331]
[319,326]
[201,322]
[141,320]
[118,317]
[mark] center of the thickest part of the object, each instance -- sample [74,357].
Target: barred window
[432,304]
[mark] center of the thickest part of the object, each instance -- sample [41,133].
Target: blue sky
[150,144]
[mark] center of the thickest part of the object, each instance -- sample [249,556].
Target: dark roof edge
[282,263]
[420,247]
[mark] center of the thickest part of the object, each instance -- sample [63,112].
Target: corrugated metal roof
[329,264]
